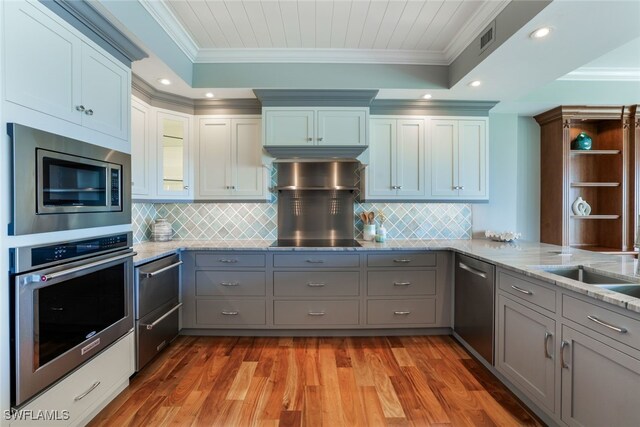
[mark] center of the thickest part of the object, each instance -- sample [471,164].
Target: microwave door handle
[34,278]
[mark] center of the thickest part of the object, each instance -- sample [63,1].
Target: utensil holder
[369,232]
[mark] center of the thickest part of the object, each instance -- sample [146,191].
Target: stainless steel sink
[601,280]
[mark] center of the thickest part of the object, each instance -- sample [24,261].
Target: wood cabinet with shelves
[600,176]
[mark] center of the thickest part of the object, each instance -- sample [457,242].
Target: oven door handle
[161,318]
[33,278]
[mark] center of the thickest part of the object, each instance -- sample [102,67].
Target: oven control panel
[79,248]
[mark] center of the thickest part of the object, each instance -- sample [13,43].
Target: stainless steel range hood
[315,152]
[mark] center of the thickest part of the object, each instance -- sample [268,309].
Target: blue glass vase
[582,142]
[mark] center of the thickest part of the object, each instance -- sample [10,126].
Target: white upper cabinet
[50,69]
[396,167]
[315,126]
[230,160]
[458,159]
[173,139]
[141,152]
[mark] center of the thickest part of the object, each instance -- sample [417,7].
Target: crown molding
[315,97]
[337,56]
[485,14]
[86,19]
[418,107]
[160,11]
[603,74]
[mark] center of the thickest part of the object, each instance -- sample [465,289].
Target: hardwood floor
[363,381]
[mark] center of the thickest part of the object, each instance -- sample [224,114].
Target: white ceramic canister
[161,230]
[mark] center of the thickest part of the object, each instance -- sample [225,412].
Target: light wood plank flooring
[363,381]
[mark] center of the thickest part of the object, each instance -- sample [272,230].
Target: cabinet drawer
[316,260]
[230,283]
[230,312]
[315,312]
[527,291]
[232,260]
[151,342]
[100,376]
[595,317]
[401,259]
[401,311]
[316,283]
[401,282]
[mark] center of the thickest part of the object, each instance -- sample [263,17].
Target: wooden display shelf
[595,184]
[584,217]
[595,152]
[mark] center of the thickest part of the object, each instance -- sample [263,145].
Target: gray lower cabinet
[525,347]
[316,313]
[600,383]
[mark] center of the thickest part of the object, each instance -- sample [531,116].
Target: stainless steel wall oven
[61,183]
[69,301]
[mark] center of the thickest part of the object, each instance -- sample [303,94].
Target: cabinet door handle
[316,285]
[461,187]
[186,187]
[607,325]
[229,283]
[563,344]
[89,112]
[320,139]
[161,318]
[547,336]
[315,261]
[523,291]
[162,270]
[80,108]
[228,261]
[401,313]
[402,261]
[316,313]
[399,187]
[472,270]
[229,313]
[83,395]
[401,283]
[309,139]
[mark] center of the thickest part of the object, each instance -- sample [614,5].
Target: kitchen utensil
[363,216]
[371,217]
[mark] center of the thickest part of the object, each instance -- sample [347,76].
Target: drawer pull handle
[162,270]
[523,291]
[547,335]
[402,261]
[563,364]
[83,395]
[401,313]
[229,283]
[401,283]
[316,313]
[228,261]
[316,285]
[229,313]
[150,326]
[315,261]
[472,270]
[607,325]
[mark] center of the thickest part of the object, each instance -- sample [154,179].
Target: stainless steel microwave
[61,183]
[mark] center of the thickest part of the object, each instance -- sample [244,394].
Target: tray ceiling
[356,31]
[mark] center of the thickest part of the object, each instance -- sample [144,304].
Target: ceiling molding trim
[172,26]
[603,74]
[415,107]
[337,56]
[315,97]
[486,13]
[86,19]
[227,106]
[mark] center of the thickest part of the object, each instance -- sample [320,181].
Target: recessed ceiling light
[540,33]
[475,83]
[426,96]
[209,95]
[165,82]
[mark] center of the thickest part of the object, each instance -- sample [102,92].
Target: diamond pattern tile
[255,221]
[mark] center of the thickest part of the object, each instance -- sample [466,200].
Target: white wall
[514,177]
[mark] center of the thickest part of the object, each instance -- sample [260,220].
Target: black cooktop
[316,243]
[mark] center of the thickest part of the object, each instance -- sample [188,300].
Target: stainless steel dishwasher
[157,298]
[474,304]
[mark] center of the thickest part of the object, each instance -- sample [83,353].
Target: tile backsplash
[232,221]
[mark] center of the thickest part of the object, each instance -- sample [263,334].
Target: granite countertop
[523,257]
